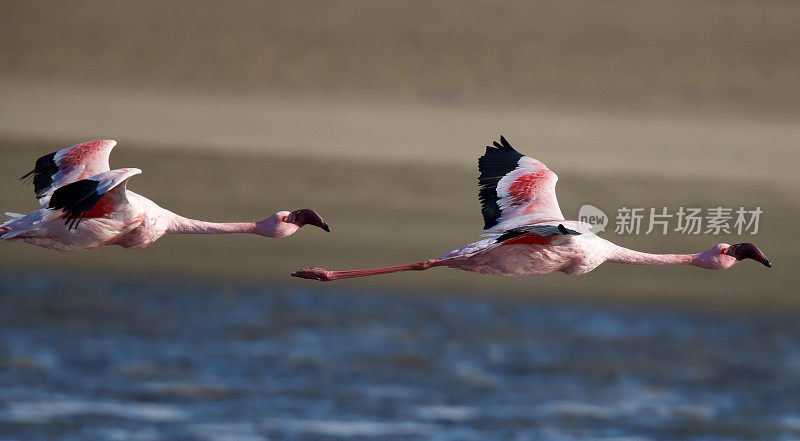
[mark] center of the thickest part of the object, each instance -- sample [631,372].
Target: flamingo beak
[307,216]
[747,251]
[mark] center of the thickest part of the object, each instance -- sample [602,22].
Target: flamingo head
[723,256]
[286,223]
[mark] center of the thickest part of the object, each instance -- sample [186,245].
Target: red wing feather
[529,239]
[97,196]
[515,190]
[68,165]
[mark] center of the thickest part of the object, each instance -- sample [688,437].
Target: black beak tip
[326,227]
[767,263]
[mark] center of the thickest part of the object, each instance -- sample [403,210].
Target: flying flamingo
[85,205]
[527,234]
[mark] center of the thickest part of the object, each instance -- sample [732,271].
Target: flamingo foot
[320,274]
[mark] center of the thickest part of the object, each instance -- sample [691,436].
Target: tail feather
[7,232]
[11,218]
[19,224]
[12,215]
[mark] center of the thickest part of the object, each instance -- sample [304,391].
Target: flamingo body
[528,235]
[571,254]
[137,224]
[85,205]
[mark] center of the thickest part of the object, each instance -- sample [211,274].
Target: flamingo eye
[285,218]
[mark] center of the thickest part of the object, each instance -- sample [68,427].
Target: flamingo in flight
[85,205]
[528,235]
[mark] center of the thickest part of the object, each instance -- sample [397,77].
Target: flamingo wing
[514,189]
[68,165]
[97,196]
[534,234]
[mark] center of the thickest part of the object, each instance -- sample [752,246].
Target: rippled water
[117,359]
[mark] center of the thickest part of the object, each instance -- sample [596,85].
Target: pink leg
[328,275]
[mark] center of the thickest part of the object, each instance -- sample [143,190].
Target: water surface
[110,358]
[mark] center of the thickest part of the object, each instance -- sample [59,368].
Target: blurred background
[374,113]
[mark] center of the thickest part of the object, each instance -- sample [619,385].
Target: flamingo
[85,205]
[526,234]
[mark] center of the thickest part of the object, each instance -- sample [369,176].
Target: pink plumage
[526,234]
[85,205]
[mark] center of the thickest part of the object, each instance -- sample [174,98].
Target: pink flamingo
[527,233]
[85,205]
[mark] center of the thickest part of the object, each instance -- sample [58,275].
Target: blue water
[105,358]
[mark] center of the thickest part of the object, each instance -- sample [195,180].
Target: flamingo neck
[183,225]
[633,257]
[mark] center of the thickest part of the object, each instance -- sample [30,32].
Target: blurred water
[121,359]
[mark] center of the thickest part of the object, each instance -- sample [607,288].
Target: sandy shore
[692,146]
[717,54]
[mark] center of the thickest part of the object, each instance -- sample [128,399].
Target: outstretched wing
[97,196]
[515,189]
[68,165]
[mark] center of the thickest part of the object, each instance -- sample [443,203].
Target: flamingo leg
[324,275]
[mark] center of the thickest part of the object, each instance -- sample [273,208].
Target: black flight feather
[539,230]
[43,173]
[498,161]
[75,200]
